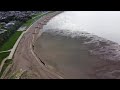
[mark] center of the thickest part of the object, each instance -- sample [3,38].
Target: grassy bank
[31,21]
[11,41]
[7,62]
[34,18]
[3,55]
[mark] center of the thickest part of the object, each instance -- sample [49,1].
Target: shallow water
[105,24]
[62,46]
[67,55]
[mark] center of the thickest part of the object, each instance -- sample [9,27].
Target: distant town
[10,21]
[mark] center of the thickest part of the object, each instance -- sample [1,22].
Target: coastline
[58,56]
[24,58]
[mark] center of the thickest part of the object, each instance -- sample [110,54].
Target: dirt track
[24,57]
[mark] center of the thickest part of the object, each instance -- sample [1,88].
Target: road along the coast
[24,57]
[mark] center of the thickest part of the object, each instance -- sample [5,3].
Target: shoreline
[33,46]
[24,58]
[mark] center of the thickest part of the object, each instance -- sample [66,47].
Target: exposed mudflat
[82,44]
[84,56]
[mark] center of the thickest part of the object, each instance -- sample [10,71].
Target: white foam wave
[103,24]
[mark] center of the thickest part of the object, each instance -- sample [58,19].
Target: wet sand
[69,56]
[79,56]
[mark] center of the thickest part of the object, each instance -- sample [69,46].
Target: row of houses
[14,14]
[17,14]
[2,31]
